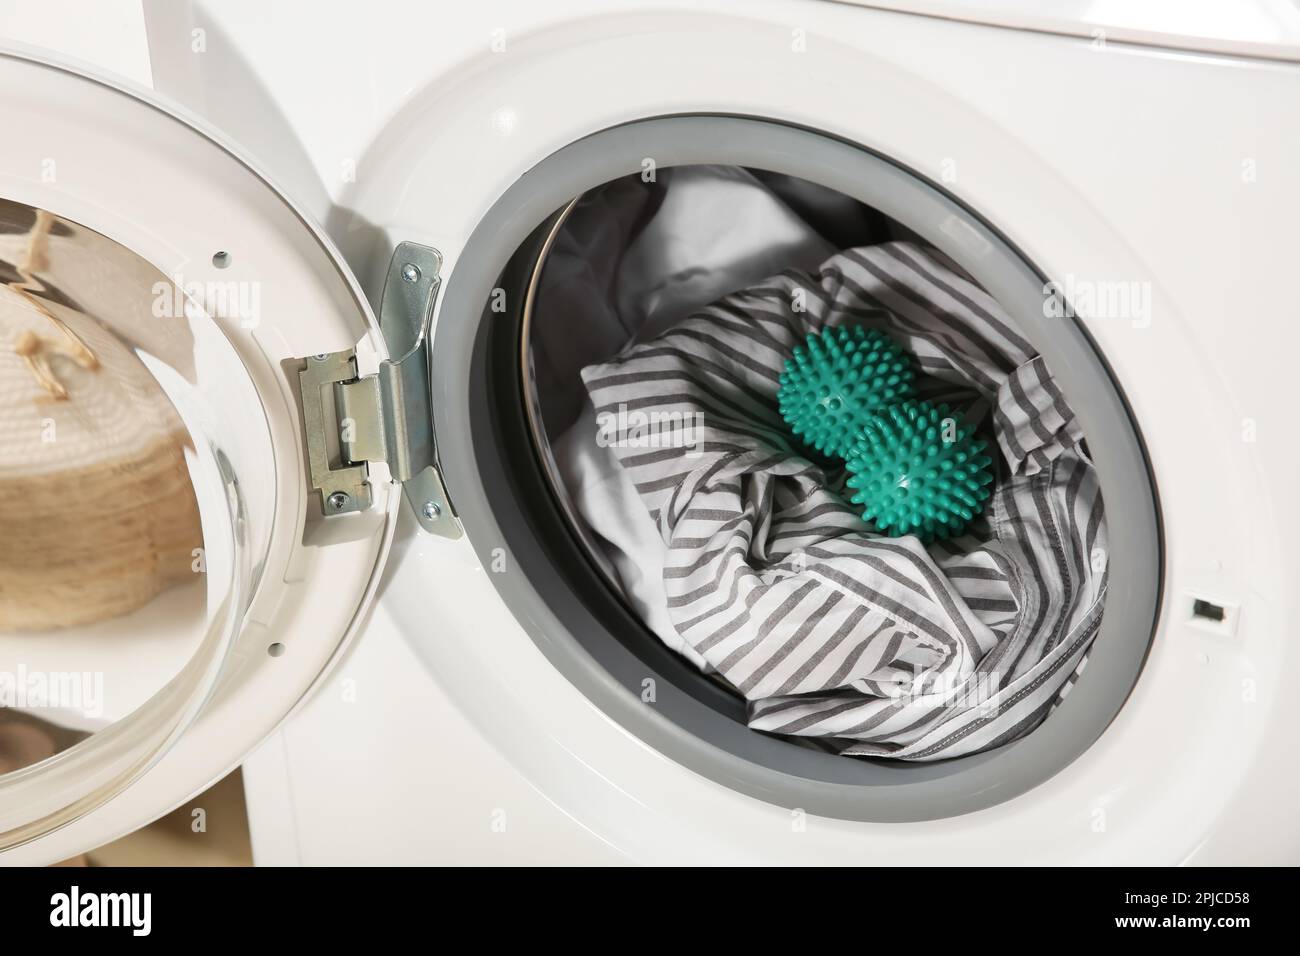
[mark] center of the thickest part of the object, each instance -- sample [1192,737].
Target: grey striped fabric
[878,646]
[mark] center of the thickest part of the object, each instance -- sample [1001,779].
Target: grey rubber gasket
[501,496]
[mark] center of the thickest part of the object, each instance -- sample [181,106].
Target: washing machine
[307,518]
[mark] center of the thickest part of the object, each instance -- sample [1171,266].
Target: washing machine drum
[733,540]
[611,426]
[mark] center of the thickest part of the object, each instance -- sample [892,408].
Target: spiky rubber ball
[916,470]
[837,380]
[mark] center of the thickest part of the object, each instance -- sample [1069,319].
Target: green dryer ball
[917,471]
[835,382]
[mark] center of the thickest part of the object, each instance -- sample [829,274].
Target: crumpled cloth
[769,577]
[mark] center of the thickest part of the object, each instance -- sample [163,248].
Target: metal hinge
[351,421]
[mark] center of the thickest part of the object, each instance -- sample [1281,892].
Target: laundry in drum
[663,363]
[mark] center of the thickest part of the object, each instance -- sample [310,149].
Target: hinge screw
[431,510]
[411,272]
[337,500]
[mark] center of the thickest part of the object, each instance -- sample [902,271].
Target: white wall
[106,33]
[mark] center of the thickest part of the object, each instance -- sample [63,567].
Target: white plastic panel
[1263,28]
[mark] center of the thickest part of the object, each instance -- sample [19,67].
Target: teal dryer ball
[836,380]
[916,470]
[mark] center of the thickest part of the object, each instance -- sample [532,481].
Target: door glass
[122,568]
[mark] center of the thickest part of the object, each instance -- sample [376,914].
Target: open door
[197,410]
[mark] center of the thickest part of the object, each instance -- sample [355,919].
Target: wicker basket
[97,509]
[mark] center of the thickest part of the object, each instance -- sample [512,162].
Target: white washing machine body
[449,733]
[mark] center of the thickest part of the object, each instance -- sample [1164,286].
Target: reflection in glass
[104,592]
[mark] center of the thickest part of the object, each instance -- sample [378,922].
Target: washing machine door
[200,422]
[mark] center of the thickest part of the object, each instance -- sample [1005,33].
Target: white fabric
[632,549]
